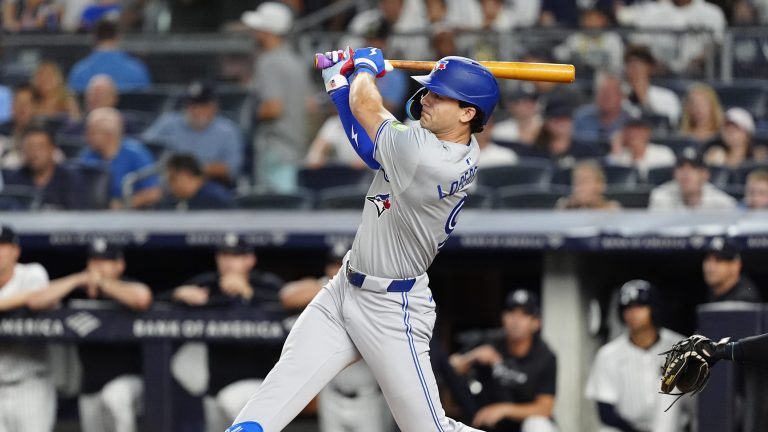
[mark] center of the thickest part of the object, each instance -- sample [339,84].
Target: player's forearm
[270,110]
[50,296]
[542,406]
[609,417]
[298,294]
[15,301]
[217,170]
[460,363]
[751,349]
[133,295]
[366,103]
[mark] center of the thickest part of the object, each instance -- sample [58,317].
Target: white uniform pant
[28,405]
[391,330]
[113,409]
[221,410]
[353,402]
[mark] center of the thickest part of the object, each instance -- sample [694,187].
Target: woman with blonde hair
[702,114]
[52,97]
[587,189]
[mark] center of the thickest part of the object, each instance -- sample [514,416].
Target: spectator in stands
[281,79]
[632,147]
[101,10]
[525,120]
[594,47]
[734,145]
[112,389]
[639,64]
[107,58]
[57,187]
[200,130]
[235,370]
[599,120]
[52,98]
[484,46]
[588,189]
[760,149]
[722,273]
[513,404]
[551,90]
[492,154]
[756,190]
[331,146]
[23,112]
[443,41]
[188,188]
[630,365]
[25,364]
[104,134]
[566,13]
[352,400]
[555,140]
[100,92]
[690,189]
[30,16]
[702,114]
[685,53]
[403,17]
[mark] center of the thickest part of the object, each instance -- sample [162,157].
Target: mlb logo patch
[381,201]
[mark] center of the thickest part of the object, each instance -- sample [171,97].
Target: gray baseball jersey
[414,201]
[411,208]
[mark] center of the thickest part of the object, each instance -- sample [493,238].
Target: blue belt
[397,285]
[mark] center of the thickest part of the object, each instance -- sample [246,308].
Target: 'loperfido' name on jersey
[466,178]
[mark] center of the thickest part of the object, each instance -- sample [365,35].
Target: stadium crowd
[629,117]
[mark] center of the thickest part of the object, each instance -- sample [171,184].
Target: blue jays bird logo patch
[381,201]
[441,65]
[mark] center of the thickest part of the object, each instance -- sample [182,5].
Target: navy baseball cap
[199,92]
[690,156]
[522,298]
[8,235]
[100,248]
[636,292]
[336,253]
[639,121]
[233,244]
[723,248]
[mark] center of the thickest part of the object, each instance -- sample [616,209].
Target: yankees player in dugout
[379,305]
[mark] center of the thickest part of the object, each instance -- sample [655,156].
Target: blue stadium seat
[328,176]
[17,197]
[528,171]
[739,175]
[658,176]
[750,97]
[523,197]
[71,145]
[154,101]
[94,183]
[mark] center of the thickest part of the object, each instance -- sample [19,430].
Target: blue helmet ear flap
[413,105]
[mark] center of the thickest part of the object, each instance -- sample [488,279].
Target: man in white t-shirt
[492,154]
[626,373]
[632,147]
[690,189]
[27,393]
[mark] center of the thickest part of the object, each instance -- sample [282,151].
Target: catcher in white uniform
[379,306]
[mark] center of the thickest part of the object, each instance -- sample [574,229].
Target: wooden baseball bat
[552,72]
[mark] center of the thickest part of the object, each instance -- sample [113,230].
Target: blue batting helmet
[458,78]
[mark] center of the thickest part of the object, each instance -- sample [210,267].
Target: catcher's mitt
[687,365]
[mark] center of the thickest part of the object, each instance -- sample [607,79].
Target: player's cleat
[245,427]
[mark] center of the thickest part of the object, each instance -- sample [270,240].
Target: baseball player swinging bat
[552,72]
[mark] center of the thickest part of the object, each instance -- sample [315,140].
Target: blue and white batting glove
[370,60]
[335,76]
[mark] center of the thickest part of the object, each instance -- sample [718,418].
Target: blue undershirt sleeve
[356,135]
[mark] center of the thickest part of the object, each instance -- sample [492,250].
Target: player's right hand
[191,295]
[485,355]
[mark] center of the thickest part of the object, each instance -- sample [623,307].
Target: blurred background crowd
[227,112]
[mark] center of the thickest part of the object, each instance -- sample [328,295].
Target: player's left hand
[335,76]
[489,415]
[235,285]
[370,60]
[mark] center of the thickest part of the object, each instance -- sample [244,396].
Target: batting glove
[335,76]
[370,60]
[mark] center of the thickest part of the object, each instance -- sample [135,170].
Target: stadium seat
[237,105]
[71,145]
[479,198]
[517,197]
[631,198]
[264,200]
[658,176]
[342,198]
[739,175]
[615,175]
[158,149]
[676,143]
[153,101]
[528,171]
[750,97]
[95,183]
[521,149]
[317,179]
[17,197]
[720,176]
